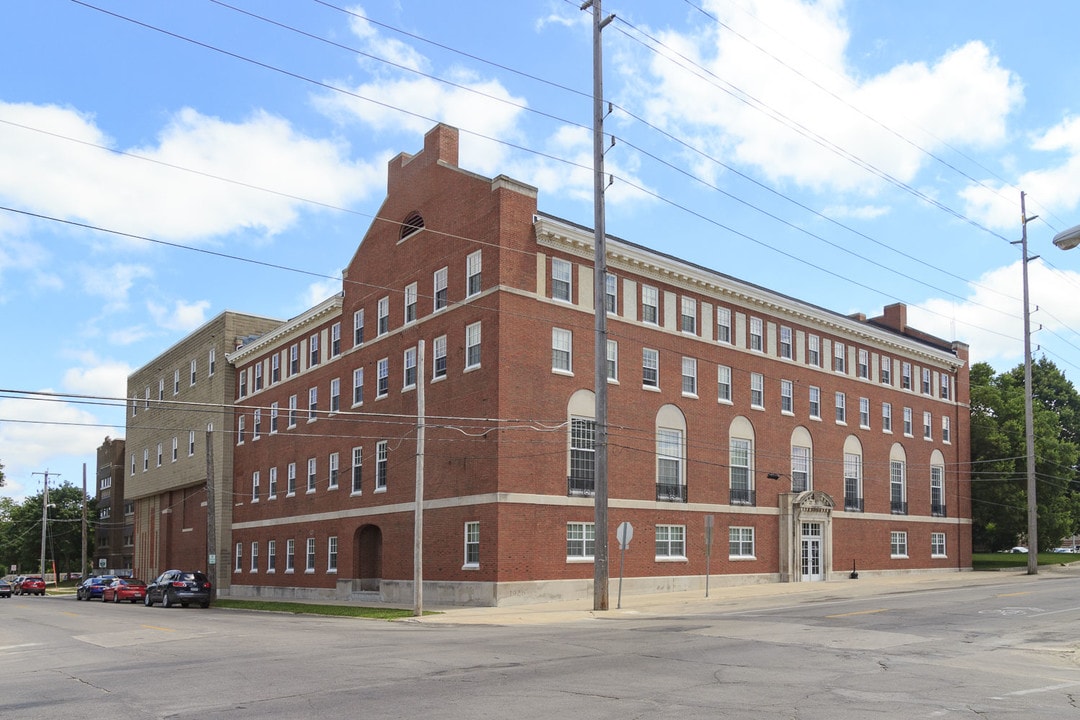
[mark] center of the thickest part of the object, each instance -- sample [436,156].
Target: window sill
[380,490]
[271,497]
[560,371]
[289,495]
[671,558]
[289,571]
[438,378]
[691,396]
[938,557]
[471,368]
[356,493]
[471,566]
[650,388]
[789,413]
[579,560]
[741,558]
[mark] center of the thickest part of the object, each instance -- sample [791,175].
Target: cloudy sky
[852,154]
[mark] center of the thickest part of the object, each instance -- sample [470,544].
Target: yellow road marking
[162,629]
[1023,592]
[859,612]
[70,614]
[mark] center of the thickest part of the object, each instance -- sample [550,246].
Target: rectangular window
[357,470]
[898,544]
[333,462]
[335,395]
[382,325]
[740,449]
[241,383]
[853,499]
[292,411]
[409,375]
[358,327]
[689,376]
[382,378]
[254,557]
[175,448]
[271,556]
[944,386]
[650,367]
[212,362]
[335,339]
[272,484]
[800,468]
[160,455]
[937,544]
[756,334]
[176,382]
[723,381]
[472,346]
[650,305]
[381,460]
[907,422]
[191,443]
[841,408]
[258,376]
[439,283]
[926,387]
[897,487]
[161,389]
[927,430]
[611,294]
[331,554]
[472,274]
[723,325]
[582,455]
[863,368]
[410,303]
[886,370]
[294,360]
[815,402]
[238,565]
[785,343]
[741,542]
[194,364]
[290,555]
[312,474]
[839,358]
[757,390]
[290,479]
[670,541]
[312,403]
[937,490]
[147,405]
[241,423]
[310,562]
[561,350]
[580,540]
[358,386]
[256,424]
[905,375]
[275,368]
[561,279]
[313,350]
[612,360]
[472,544]
[669,457]
[688,315]
[946,429]
[787,399]
[886,417]
[864,413]
[133,463]
[813,350]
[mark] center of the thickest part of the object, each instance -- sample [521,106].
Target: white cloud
[183,316]
[319,291]
[113,283]
[390,49]
[97,377]
[962,98]
[69,180]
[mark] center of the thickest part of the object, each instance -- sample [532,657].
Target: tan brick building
[815,440]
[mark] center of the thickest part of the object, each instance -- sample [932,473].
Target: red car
[31,586]
[130,589]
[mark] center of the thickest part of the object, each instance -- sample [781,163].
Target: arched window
[853,481]
[412,224]
[898,480]
[802,460]
[581,467]
[741,462]
[670,454]
[937,484]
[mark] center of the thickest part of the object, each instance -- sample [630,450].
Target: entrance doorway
[810,555]
[368,564]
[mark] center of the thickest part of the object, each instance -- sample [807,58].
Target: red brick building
[816,441]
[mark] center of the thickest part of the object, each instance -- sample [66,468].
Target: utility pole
[418,514]
[44,516]
[82,567]
[1029,423]
[211,514]
[600,549]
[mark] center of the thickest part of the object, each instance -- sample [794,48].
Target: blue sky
[852,154]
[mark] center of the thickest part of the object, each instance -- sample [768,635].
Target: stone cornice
[317,314]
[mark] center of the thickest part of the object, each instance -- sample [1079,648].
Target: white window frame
[801,468]
[382,469]
[612,361]
[410,303]
[862,369]
[688,315]
[255,478]
[579,536]
[723,384]
[309,556]
[332,554]
[898,544]
[333,470]
[813,350]
[756,340]
[927,425]
[358,327]
[937,545]
[254,567]
[757,391]
[839,358]
[840,402]
[473,269]
[670,542]
[471,557]
[886,370]
[864,413]
[271,556]
[312,475]
[382,325]
[689,377]
[472,346]
[290,555]
[562,351]
[441,298]
[409,370]
[785,342]
[438,358]
[382,378]
[272,484]
[814,398]
[356,471]
[886,417]
[562,280]
[741,543]
[787,397]
[650,305]
[650,368]
[358,387]
[723,325]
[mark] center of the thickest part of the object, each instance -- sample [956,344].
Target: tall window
[741,542]
[358,327]
[438,360]
[472,346]
[669,457]
[927,422]
[723,325]
[813,350]
[612,360]
[335,394]
[313,403]
[381,460]
[839,358]
[331,554]
[897,487]
[409,375]
[886,417]
[670,541]
[175,448]
[312,474]
[472,274]
[211,362]
[561,350]
[472,544]
[800,468]
[313,350]
[740,471]
[815,402]
[294,359]
[310,563]
[194,364]
[241,383]
[255,486]
[580,540]
[382,377]
[191,443]
[944,386]
[582,454]
[905,375]
[650,367]
[333,462]
[785,343]
[946,429]
[358,386]
[275,368]
[841,408]
[272,484]
[357,470]
[907,422]
[650,305]
[271,556]
[439,282]
[292,411]
[240,424]
[254,557]
[926,387]
[290,479]
[689,376]
[176,382]
[886,370]
[853,499]
[383,319]
[290,555]
[937,544]
[410,303]
[937,490]
[864,412]
[239,562]
[757,390]
[756,334]
[611,293]
[787,399]
[561,279]
[256,424]
[688,315]
[723,381]
[335,339]
[862,370]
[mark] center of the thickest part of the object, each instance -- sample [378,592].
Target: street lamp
[1068,239]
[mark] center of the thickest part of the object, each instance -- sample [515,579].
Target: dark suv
[92,587]
[179,587]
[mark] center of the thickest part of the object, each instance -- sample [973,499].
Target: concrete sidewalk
[732,597]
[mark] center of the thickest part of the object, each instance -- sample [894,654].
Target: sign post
[623,534]
[709,521]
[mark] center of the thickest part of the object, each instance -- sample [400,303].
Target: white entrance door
[811,552]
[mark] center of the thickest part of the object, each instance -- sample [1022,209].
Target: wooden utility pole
[418,514]
[211,515]
[44,516]
[82,567]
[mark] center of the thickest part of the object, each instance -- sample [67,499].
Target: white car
[1019,549]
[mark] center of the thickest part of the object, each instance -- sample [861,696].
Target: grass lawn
[314,609]
[999,561]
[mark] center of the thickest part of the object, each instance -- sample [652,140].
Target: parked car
[31,585]
[179,587]
[16,582]
[1019,549]
[130,589]
[5,588]
[92,586]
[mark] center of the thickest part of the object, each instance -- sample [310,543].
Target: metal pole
[44,518]
[82,567]
[418,514]
[1029,423]
[211,515]
[601,573]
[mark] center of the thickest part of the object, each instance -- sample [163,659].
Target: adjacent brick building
[815,441]
[114,529]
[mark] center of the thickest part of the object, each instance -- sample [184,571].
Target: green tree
[999,452]
[20,530]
